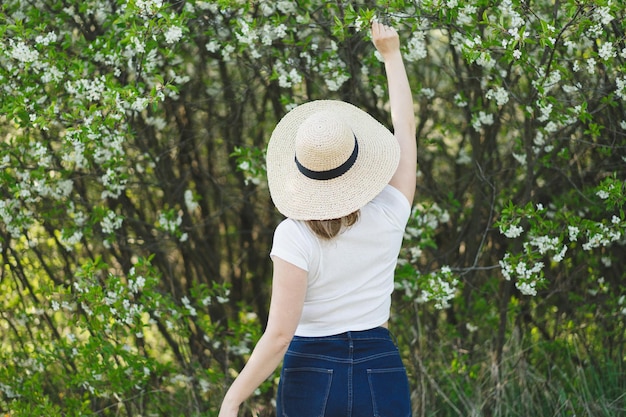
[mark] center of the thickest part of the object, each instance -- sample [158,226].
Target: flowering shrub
[135,221]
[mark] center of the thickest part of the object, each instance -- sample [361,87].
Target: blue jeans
[353,374]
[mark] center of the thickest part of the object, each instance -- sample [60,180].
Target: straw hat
[327,159]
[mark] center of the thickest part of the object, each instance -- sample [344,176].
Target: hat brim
[302,198]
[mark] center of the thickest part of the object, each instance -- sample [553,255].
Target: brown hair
[328,229]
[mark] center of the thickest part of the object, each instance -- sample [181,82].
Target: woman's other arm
[288,291]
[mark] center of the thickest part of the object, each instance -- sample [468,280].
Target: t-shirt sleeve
[291,244]
[394,205]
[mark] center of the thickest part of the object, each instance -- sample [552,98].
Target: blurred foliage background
[135,221]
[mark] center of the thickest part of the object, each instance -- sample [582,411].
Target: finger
[376,28]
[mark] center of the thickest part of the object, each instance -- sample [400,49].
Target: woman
[346,185]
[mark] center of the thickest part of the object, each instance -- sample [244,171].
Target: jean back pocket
[390,392]
[305,391]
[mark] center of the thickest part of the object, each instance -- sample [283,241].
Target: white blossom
[427,92]
[20,51]
[148,8]
[499,94]
[527,287]
[286,7]
[416,47]
[591,66]
[111,222]
[621,87]
[336,80]
[603,15]
[173,34]
[227,50]
[466,15]
[212,46]
[459,100]
[602,194]
[544,243]
[187,304]
[139,104]
[607,51]
[481,119]
[546,111]
[46,40]
[512,232]
[191,204]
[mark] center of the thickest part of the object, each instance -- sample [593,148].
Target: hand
[228,410]
[385,39]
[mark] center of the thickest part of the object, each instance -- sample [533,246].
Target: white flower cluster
[544,243]
[545,109]
[136,282]
[271,33]
[337,79]
[187,304]
[148,8]
[171,225]
[173,34]
[427,218]
[508,10]
[459,100]
[168,224]
[246,35]
[287,78]
[439,287]
[243,348]
[546,82]
[111,222]
[466,15]
[8,391]
[621,87]
[191,204]
[528,271]
[114,185]
[464,157]
[481,119]
[528,276]
[46,39]
[499,94]
[334,70]
[605,235]
[70,240]
[416,47]
[223,299]
[607,51]
[86,89]
[269,8]
[602,14]
[255,39]
[74,153]
[512,231]
[21,52]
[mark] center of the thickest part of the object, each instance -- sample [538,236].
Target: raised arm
[387,42]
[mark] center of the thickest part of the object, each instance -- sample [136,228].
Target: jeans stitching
[370,372]
[328,372]
[342,358]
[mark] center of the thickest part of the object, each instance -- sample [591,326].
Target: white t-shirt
[350,277]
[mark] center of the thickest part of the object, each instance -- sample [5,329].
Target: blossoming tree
[135,221]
